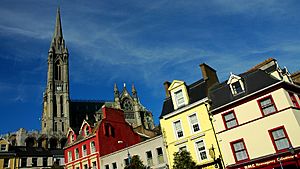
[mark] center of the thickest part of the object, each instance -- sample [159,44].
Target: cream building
[152,152]
[256,117]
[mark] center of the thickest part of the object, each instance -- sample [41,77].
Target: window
[179,98]
[93,147]
[94,165]
[85,166]
[294,100]
[229,119]
[160,156]
[84,153]
[114,165]
[178,129]
[23,162]
[55,126]
[267,105]
[3,147]
[183,148]
[69,156]
[149,158]
[126,162]
[201,150]
[76,153]
[86,130]
[45,161]
[279,138]
[237,88]
[6,163]
[34,162]
[106,126]
[106,166]
[239,150]
[194,123]
[62,126]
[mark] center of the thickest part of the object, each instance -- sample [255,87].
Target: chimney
[209,75]
[167,85]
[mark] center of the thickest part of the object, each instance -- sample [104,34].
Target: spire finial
[58,28]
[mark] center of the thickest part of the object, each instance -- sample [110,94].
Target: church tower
[55,118]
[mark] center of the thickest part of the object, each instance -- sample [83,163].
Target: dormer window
[179,98]
[179,94]
[236,85]
[86,131]
[3,147]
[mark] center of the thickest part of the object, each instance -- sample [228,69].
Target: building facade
[152,153]
[256,118]
[185,121]
[86,146]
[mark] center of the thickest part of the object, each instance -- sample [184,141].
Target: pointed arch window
[58,71]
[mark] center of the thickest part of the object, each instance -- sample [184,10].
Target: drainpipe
[210,119]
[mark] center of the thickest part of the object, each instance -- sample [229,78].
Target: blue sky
[136,41]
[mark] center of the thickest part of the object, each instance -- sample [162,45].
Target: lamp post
[128,154]
[292,151]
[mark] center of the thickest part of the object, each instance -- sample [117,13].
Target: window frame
[225,122]
[3,146]
[234,152]
[149,159]
[160,157]
[84,151]
[294,100]
[76,153]
[178,98]
[235,92]
[274,141]
[70,156]
[175,131]
[93,147]
[198,152]
[262,108]
[192,125]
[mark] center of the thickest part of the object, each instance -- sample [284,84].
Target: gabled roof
[196,92]
[254,81]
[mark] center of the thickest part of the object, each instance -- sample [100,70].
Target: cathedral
[60,112]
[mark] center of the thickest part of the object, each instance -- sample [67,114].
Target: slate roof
[80,109]
[196,91]
[253,81]
[23,151]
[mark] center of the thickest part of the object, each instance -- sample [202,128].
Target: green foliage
[136,163]
[183,160]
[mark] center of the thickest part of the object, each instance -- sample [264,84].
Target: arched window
[61,101]
[93,147]
[57,71]
[86,130]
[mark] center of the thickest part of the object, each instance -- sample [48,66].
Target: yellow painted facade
[189,138]
[9,160]
[253,127]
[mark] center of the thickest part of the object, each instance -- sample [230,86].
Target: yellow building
[185,121]
[256,117]
[7,158]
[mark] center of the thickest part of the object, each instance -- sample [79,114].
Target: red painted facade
[112,133]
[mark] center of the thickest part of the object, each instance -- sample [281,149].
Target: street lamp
[128,154]
[292,151]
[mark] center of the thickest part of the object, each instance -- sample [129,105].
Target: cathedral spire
[57,39]
[58,28]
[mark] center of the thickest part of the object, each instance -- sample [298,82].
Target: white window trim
[91,147]
[175,131]
[83,155]
[232,79]
[69,156]
[196,150]
[176,100]
[190,124]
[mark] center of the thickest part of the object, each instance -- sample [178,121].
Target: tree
[136,163]
[183,160]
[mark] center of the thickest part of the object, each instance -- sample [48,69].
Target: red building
[86,145]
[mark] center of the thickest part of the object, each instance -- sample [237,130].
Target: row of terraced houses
[250,120]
